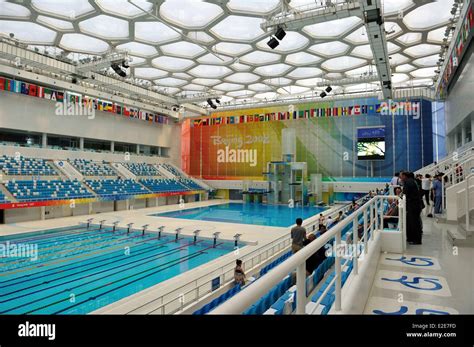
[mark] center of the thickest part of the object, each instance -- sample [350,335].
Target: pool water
[79,270]
[258,214]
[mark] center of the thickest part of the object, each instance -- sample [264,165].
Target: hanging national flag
[357,110]
[40,92]
[47,93]
[17,87]
[33,90]
[371,110]
[197,122]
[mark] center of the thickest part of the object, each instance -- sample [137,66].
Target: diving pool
[257,214]
[78,270]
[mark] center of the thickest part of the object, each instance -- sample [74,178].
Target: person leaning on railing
[319,256]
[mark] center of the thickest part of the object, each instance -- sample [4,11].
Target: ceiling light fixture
[280,33]
[273,43]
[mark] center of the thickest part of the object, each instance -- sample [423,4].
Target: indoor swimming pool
[78,270]
[258,214]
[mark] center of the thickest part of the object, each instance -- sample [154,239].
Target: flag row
[85,101]
[356,110]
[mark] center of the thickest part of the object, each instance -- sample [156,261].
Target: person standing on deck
[298,236]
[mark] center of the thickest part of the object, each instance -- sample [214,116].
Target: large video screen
[371,143]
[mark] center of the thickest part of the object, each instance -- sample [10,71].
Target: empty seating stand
[3,198]
[142,169]
[217,301]
[172,169]
[91,168]
[190,184]
[25,166]
[41,190]
[164,185]
[116,187]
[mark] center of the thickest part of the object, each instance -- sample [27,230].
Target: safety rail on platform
[244,299]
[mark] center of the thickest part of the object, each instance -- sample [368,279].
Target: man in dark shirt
[318,257]
[298,236]
[413,208]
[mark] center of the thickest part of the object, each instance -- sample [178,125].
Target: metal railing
[447,161]
[455,174]
[466,200]
[177,299]
[180,298]
[203,285]
[372,210]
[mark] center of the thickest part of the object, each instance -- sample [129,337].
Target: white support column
[355,237]
[301,288]
[442,194]
[338,272]
[112,146]
[44,140]
[365,229]
[377,216]
[81,143]
[466,202]
[43,212]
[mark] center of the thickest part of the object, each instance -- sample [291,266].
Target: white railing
[178,299]
[455,174]
[447,162]
[203,285]
[466,201]
[243,300]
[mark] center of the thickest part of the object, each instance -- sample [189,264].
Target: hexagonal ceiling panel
[239,28]
[254,6]
[333,28]
[69,9]
[196,46]
[105,27]
[190,14]
[28,32]
[272,70]
[155,32]
[291,42]
[123,8]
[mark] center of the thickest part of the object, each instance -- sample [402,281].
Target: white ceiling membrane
[197,46]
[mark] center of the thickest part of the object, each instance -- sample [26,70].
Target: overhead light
[118,70]
[218,101]
[125,64]
[323,95]
[328,89]
[280,33]
[273,43]
[210,103]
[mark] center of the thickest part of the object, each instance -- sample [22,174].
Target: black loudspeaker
[273,43]
[323,95]
[328,89]
[280,34]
